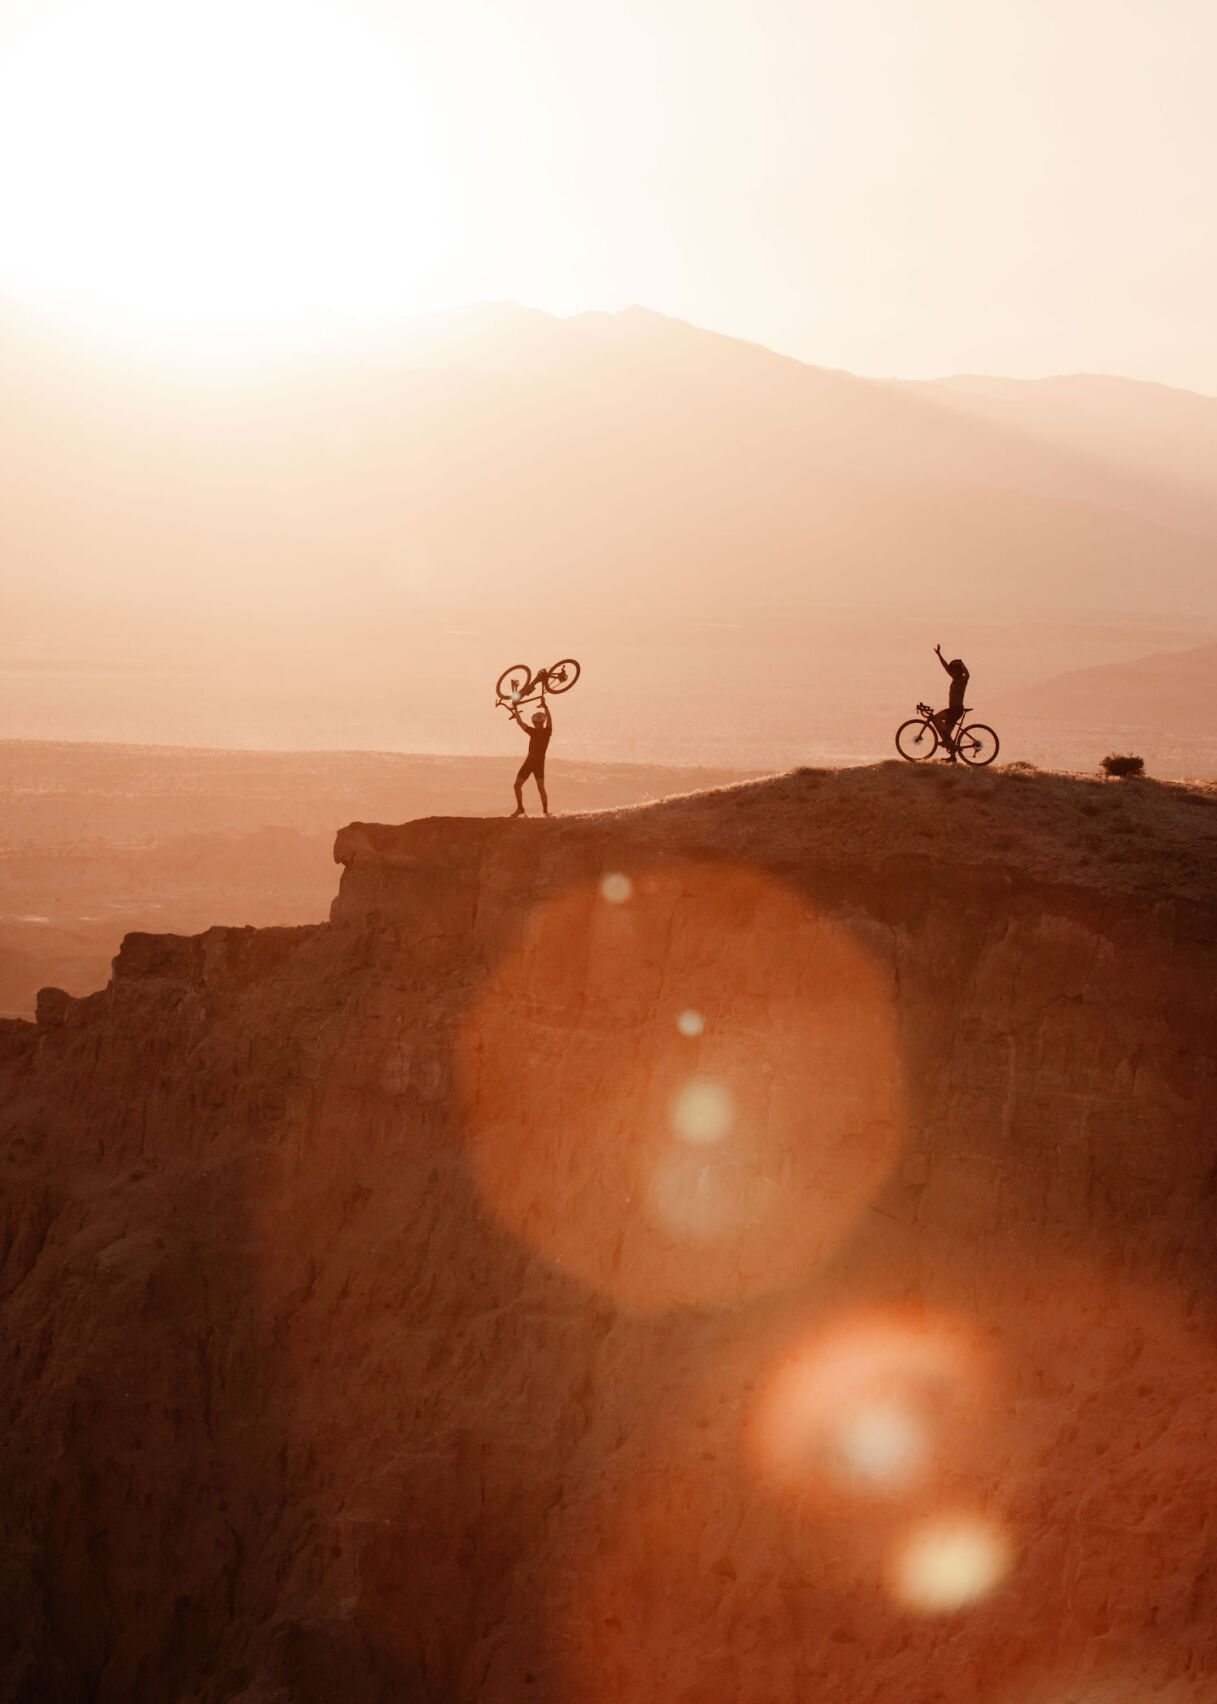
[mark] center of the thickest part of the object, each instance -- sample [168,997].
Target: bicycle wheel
[562,676]
[917,739]
[514,682]
[977,744]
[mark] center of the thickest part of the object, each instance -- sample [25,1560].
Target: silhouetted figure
[945,720]
[534,763]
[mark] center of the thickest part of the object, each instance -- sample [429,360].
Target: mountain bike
[918,739]
[518,685]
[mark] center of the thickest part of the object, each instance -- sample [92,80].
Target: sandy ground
[1141,835]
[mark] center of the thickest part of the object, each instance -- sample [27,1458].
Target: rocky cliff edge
[751,1246]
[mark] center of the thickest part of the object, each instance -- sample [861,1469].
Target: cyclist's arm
[941,658]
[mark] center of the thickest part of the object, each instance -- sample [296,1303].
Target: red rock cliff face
[753,1247]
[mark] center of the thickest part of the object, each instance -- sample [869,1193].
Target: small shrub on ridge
[1122,763]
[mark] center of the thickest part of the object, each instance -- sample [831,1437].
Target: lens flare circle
[595,1144]
[948,1562]
[703,1112]
[884,1444]
[876,1404]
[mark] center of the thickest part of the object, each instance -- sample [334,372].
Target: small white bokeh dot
[703,1112]
[616,888]
[690,1022]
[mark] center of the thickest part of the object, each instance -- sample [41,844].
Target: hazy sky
[909,187]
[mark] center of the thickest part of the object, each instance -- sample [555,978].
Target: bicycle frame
[528,696]
[952,742]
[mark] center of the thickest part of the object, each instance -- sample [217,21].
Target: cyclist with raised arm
[946,720]
[534,764]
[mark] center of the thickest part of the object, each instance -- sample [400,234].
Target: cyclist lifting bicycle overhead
[945,720]
[534,764]
[517,686]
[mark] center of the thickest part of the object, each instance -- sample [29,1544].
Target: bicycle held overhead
[517,686]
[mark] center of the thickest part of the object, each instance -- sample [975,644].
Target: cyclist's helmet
[538,717]
[955,663]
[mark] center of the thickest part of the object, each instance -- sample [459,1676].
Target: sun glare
[218,171]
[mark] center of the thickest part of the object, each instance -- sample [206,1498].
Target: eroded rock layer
[754,1247]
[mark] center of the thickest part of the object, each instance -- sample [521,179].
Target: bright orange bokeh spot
[685,1093]
[882,1403]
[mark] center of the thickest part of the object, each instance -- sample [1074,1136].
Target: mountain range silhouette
[693,510]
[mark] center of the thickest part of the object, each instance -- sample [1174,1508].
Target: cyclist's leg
[524,772]
[539,777]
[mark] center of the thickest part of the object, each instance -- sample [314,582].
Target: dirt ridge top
[1156,839]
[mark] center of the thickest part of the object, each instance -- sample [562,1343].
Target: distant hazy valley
[752,557]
